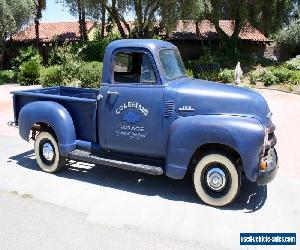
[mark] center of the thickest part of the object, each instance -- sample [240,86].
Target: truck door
[133,106]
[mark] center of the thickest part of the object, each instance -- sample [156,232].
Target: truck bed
[80,102]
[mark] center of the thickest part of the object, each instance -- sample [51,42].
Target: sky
[56,12]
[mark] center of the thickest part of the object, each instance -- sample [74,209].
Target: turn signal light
[263,165]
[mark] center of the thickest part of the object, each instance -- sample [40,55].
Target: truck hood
[196,97]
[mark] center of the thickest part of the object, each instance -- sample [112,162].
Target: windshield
[172,64]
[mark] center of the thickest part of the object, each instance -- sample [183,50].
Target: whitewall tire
[47,153]
[216,180]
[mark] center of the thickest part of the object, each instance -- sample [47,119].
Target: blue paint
[131,117]
[157,128]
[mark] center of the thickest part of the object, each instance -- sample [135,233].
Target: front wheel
[216,180]
[47,153]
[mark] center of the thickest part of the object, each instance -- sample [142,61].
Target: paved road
[28,224]
[138,205]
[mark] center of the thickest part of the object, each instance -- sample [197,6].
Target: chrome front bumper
[267,175]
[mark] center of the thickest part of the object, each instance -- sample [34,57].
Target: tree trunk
[103,19]
[37,31]
[222,37]
[139,17]
[81,19]
[83,24]
[197,29]
[2,51]
[122,19]
[114,15]
[238,25]
[38,6]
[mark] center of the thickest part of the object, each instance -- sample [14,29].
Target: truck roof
[151,44]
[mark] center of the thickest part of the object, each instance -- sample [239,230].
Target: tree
[145,12]
[78,8]
[267,15]
[271,15]
[289,37]
[39,6]
[96,10]
[117,9]
[13,16]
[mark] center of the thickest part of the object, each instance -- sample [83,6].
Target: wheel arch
[219,148]
[243,137]
[52,116]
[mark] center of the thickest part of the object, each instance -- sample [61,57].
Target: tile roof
[61,30]
[186,30]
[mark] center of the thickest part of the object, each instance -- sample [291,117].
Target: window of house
[133,67]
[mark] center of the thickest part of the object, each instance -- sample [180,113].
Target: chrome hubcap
[48,151]
[216,179]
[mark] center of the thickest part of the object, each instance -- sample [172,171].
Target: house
[191,37]
[49,32]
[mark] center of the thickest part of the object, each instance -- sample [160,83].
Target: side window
[133,67]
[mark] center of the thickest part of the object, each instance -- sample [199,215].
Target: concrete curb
[280,90]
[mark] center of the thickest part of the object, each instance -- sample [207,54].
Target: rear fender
[52,114]
[243,134]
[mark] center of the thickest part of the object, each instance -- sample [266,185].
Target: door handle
[112,92]
[99,97]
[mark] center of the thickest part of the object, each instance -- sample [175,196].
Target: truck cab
[148,116]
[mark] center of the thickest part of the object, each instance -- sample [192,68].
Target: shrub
[268,78]
[254,77]
[94,50]
[207,57]
[69,60]
[26,54]
[90,74]
[29,72]
[7,76]
[293,64]
[295,79]
[189,73]
[226,75]
[283,74]
[211,75]
[51,76]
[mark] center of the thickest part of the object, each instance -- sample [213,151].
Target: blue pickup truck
[148,116]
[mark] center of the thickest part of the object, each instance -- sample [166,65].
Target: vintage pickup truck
[148,116]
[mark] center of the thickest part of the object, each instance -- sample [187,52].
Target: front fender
[53,114]
[243,134]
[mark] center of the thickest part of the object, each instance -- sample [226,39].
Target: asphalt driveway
[128,200]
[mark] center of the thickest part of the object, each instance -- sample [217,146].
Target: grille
[169,107]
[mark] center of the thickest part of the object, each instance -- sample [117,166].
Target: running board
[84,156]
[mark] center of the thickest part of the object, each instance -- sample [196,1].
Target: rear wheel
[47,153]
[216,180]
